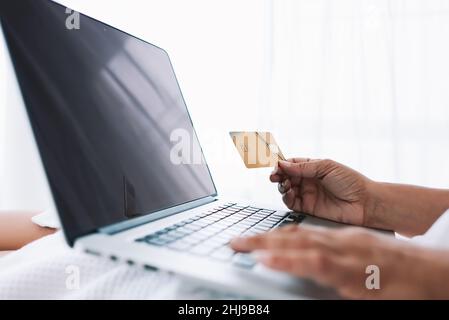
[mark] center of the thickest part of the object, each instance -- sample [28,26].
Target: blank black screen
[102,105]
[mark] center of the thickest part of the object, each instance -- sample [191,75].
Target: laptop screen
[112,128]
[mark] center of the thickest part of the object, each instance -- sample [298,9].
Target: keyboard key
[258,214]
[165,230]
[249,233]
[222,224]
[152,235]
[229,211]
[244,260]
[176,234]
[214,218]
[185,230]
[230,204]
[266,223]
[253,219]
[193,227]
[244,213]
[201,223]
[233,233]
[267,211]
[289,220]
[273,219]
[209,220]
[286,223]
[233,219]
[256,231]
[278,214]
[179,245]
[260,227]
[202,249]
[224,253]
[199,236]
[220,215]
[238,227]
[192,240]
[246,223]
[217,227]
[219,240]
[223,237]
[156,241]
[298,218]
[209,231]
[180,224]
[227,223]
[167,237]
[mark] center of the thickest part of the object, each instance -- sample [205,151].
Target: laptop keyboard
[209,233]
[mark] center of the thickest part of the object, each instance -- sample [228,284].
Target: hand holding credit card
[257,149]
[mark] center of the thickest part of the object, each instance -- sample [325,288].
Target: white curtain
[364,82]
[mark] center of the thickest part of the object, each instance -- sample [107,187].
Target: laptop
[103,106]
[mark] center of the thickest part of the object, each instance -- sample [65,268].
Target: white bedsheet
[39,271]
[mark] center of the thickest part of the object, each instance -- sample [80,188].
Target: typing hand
[356,262]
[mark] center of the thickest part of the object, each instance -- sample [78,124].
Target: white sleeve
[47,219]
[437,236]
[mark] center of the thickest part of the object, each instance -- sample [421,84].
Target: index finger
[278,175]
[301,160]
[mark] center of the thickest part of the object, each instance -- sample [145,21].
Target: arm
[17,230]
[344,259]
[333,191]
[408,210]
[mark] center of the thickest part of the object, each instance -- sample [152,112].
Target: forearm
[408,210]
[17,229]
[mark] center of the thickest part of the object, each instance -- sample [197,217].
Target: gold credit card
[257,149]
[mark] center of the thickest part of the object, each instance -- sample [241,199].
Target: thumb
[313,169]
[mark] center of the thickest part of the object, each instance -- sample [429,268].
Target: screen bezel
[146,216]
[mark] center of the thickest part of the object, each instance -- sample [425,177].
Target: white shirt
[438,234]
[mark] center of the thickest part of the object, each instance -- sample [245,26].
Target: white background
[363,82]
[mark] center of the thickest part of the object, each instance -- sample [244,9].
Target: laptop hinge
[128,224]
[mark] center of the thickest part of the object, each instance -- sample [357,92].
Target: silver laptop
[104,107]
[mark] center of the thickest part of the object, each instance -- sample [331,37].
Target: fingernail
[281,187]
[285,163]
[238,242]
[262,256]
